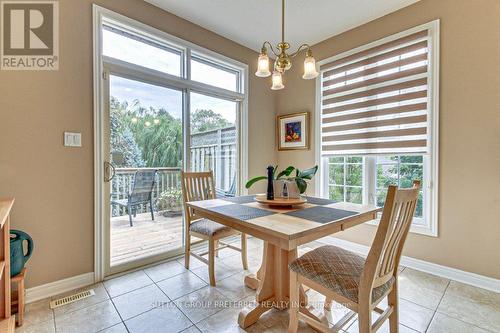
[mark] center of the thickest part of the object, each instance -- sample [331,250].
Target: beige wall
[469,177]
[53,185]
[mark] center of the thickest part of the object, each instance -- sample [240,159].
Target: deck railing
[211,150]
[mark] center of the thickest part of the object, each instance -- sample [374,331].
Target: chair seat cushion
[336,269]
[207,227]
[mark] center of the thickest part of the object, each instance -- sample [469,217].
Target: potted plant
[284,178]
[169,202]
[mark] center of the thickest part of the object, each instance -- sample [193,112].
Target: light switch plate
[72,139]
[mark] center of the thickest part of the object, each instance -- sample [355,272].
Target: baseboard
[57,287]
[473,279]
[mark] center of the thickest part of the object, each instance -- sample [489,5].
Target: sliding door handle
[109,171]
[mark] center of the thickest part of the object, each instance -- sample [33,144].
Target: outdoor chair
[142,193]
[229,193]
[355,282]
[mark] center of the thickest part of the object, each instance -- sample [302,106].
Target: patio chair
[142,193]
[229,193]
[357,283]
[200,186]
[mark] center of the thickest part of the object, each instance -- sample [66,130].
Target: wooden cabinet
[7,322]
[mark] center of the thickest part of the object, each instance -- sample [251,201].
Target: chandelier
[283,60]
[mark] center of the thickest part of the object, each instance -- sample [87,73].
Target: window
[346,179]
[214,139]
[378,121]
[213,74]
[138,50]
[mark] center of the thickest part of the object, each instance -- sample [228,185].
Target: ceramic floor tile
[472,305]
[164,319]
[181,285]
[38,312]
[45,327]
[221,271]
[443,324]
[192,329]
[202,303]
[91,319]
[193,262]
[234,287]
[139,301]
[127,283]
[354,328]
[120,328]
[165,270]
[422,288]
[100,296]
[234,263]
[226,321]
[414,316]
[276,321]
[411,316]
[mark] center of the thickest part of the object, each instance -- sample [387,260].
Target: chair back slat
[196,186]
[384,256]
[142,189]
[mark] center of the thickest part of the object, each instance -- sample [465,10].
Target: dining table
[283,229]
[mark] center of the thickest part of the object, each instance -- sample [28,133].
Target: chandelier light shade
[283,60]
[310,71]
[277,81]
[263,65]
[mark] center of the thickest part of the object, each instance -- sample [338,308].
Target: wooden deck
[145,238]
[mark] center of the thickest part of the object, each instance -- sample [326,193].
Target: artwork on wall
[293,131]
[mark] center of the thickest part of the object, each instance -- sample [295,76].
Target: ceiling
[250,22]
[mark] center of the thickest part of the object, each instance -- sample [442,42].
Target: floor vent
[71,299]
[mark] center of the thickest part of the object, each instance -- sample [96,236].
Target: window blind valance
[375,101]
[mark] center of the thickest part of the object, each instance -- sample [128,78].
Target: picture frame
[292,131]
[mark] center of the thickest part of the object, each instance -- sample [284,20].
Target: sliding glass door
[167,106]
[145,144]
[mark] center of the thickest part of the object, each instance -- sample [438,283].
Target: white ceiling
[250,22]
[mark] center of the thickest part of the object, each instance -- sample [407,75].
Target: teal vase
[17,257]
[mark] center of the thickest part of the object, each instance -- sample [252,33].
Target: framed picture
[293,131]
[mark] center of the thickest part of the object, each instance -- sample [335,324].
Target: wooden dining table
[282,229]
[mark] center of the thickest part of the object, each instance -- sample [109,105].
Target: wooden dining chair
[198,186]
[353,281]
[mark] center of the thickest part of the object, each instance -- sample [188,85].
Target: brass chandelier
[283,60]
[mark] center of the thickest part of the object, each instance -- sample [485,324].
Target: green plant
[301,176]
[169,200]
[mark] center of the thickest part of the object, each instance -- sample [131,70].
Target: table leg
[272,283]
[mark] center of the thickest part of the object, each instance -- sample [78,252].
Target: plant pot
[284,186]
[172,213]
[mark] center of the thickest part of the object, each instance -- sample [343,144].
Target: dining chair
[198,186]
[355,282]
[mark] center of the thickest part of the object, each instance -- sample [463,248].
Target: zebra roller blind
[375,100]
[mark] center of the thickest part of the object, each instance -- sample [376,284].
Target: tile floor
[169,298]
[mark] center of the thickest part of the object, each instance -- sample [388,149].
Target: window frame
[429,227]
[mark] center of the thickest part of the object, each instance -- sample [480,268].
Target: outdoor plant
[170,201]
[301,176]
